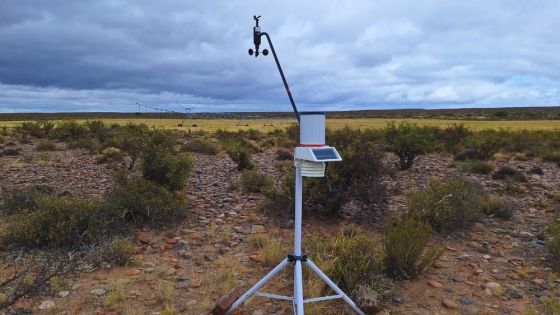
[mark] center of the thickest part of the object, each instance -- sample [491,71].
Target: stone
[100,276]
[46,305]
[449,304]
[63,294]
[435,284]
[367,300]
[98,292]
[468,311]
[195,283]
[171,241]
[133,272]
[226,301]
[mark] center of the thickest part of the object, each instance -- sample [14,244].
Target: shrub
[404,242]
[161,164]
[446,205]
[241,156]
[201,146]
[500,114]
[45,145]
[553,242]
[284,155]
[487,142]
[69,130]
[118,252]
[551,156]
[256,182]
[11,152]
[481,167]
[347,261]
[37,129]
[495,206]
[89,144]
[506,172]
[24,200]
[60,222]
[453,137]
[142,201]
[110,154]
[408,141]
[536,170]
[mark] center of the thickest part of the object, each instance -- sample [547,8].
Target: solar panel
[325,154]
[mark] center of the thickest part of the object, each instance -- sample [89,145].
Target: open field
[337,123]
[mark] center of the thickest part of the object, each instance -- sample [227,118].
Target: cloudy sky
[108,55]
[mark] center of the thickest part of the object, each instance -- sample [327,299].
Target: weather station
[309,161]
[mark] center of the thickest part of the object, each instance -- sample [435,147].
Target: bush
[506,172]
[553,242]
[447,205]
[256,182]
[44,145]
[69,130]
[24,200]
[403,244]
[110,154]
[162,165]
[408,141]
[241,156]
[284,155]
[118,252]
[536,170]
[89,144]
[143,201]
[201,146]
[487,142]
[453,137]
[551,156]
[60,222]
[347,261]
[37,129]
[11,152]
[481,167]
[498,207]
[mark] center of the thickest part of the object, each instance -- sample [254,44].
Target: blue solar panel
[325,154]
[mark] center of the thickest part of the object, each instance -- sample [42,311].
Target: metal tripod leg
[333,286]
[257,286]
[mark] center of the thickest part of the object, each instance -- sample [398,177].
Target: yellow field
[269,125]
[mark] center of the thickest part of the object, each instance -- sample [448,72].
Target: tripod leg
[298,287]
[257,286]
[334,287]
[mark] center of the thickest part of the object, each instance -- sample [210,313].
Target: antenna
[309,161]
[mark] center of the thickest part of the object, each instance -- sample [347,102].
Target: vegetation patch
[508,172]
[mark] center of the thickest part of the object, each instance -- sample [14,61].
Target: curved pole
[281,74]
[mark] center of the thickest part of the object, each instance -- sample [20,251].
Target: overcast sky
[108,55]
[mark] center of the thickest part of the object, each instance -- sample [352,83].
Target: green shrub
[500,114]
[453,137]
[256,182]
[201,146]
[347,261]
[447,205]
[118,252]
[161,164]
[11,152]
[241,156]
[536,170]
[506,172]
[481,167]
[45,145]
[143,201]
[495,206]
[486,143]
[284,155]
[24,200]
[89,144]
[408,141]
[37,129]
[110,154]
[60,222]
[404,242]
[553,242]
[69,130]
[551,156]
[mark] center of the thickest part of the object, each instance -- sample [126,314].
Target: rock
[435,284]
[76,286]
[449,304]
[195,283]
[100,276]
[98,292]
[493,287]
[367,300]
[46,305]
[467,301]
[468,311]
[226,301]
[63,294]
[133,272]
[514,307]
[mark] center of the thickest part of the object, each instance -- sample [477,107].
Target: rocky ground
[497,267]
